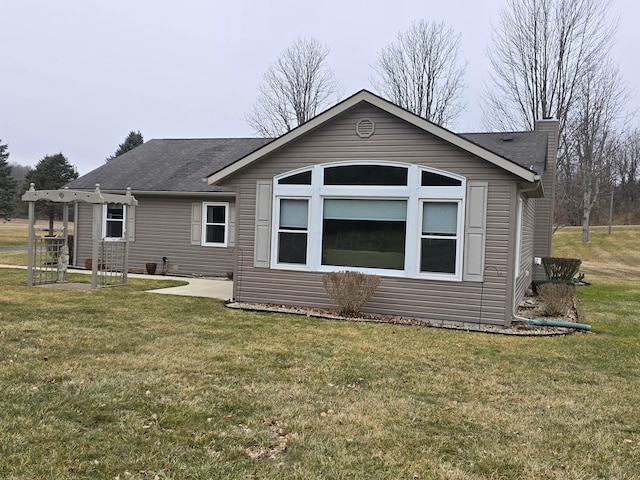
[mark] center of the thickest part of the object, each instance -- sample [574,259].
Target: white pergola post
[31,242]
[95,249]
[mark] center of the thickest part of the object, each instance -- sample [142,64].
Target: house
[452,224]
[179,217]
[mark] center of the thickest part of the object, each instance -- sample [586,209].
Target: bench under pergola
[109,259]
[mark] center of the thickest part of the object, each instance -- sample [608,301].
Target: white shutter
[131,222]
[196,223]
[475,231]
[262,246]
[231,224]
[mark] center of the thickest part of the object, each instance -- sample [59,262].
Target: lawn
[121,383]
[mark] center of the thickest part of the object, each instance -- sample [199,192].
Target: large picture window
[215,224]
[384,218]
[364,233]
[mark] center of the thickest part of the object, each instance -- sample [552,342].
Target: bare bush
[349,291]
[556,298]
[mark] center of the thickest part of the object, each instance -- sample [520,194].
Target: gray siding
[393,140]
[162,229]
[526,249]
[544,206]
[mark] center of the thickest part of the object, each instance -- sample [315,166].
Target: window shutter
[475,231]
[231,224]
[196,223]
[131,222]
[262,250]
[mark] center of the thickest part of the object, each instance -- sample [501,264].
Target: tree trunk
[52,214]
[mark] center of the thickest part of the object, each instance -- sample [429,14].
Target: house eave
[170,193]
[368,97]
[534,189]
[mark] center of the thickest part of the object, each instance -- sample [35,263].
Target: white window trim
[518,253]
[413,193]
[203,241]
[104,224]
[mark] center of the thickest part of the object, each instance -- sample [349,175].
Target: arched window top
[366,174]
[433,178]
[296,178]
[370,174]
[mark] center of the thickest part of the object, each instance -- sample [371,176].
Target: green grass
[121,383]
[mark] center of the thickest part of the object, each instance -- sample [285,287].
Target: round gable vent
[365,128]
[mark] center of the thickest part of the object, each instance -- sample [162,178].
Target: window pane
[303,178]
[214,234]
[389,210]
[430,179]
[438,255]
[115,212]
[293,214]
[292,247]
[114,229]
[365,175]
[215,213]
[364,243]
[439,218]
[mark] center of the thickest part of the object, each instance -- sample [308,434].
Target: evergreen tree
[133,140]
[7,185]
[51,172]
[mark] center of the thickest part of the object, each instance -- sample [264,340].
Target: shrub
[536,284]
[561,268]
[557,298]
[349,291]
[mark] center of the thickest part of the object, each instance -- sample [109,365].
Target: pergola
[52,247]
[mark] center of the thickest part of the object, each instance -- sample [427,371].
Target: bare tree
[295,88]
[422,73]
[592,135]
[628,172]
[541,52]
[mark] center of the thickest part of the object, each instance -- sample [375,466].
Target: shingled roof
[527,149]
[180,165]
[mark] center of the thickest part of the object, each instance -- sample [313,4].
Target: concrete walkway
[196,287]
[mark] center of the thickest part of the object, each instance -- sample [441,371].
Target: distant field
[15,232]
[611,258]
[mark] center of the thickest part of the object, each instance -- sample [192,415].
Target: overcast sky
[76,76]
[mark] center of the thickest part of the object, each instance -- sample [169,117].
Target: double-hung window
[293,225]
[215,224]
[385,218]
[113,223]
[439,237]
